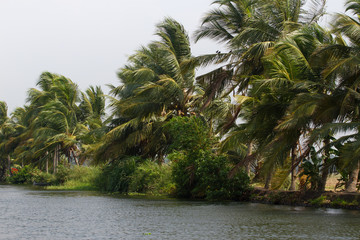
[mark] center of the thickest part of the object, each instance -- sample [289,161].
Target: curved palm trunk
[54,164]
[248,163]
[293,171]
[74,156]
[268,181]
[221,75]
[56,157]
[9,165]
[325,169]
[269,178]
[353,179]
[47,162]
[324,176]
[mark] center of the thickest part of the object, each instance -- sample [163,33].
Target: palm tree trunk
[248,164]
[9,165]
[54,164]
[212,94]
[268,179]
[293,173]
[75,158]
[325,169]
[47,162]
[324,176]
[353,179]
[56,158]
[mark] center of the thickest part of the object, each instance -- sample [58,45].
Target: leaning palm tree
[249,29]
[253,30]
[157,83]
[54,115]
[342,63]
[6,132]
[268,112]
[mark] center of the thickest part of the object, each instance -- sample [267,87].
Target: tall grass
[79,178]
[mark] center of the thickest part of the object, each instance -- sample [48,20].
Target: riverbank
[326,199]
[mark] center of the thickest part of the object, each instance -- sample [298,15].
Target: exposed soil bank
[309,198]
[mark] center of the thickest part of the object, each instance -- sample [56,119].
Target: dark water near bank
[34,214]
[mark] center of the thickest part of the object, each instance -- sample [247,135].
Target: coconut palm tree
[6,131]
[341,107]
[268,110]
[157,83]
[54,116]
[249,29]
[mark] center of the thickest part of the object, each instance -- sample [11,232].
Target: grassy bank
[77,178]
[326,199]
[148,179]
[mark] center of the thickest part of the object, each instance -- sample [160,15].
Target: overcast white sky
[84,40]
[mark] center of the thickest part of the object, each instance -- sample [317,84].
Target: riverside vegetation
[281,110]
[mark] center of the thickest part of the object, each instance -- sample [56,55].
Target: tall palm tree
[270,120]
[54,120]
[255,30]
[342,63]
[249,29]
[157,83]
[6,131]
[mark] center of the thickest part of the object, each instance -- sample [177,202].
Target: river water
[26,213]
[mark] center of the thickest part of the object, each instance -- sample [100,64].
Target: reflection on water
[26,213]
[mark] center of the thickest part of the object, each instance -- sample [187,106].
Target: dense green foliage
[132,174]
[152,178]
[197,171]
[116,177]
[282,104]
[29,175]
[206,175]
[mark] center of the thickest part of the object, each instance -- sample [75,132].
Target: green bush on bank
[116,176]
[76,178]
[24,175]
[197,171]
[206,176]
[62,174]
[152,178]
[132,174]
[28,175]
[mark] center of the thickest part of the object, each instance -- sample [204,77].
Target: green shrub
[24,175]
[338,202]
[319,201]
[62,174]
[116,177]
[205,175]
[183,173]
[27,175]
[197,171]
[150,177]
[43,177]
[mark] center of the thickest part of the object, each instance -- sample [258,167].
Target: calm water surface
[26,213]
